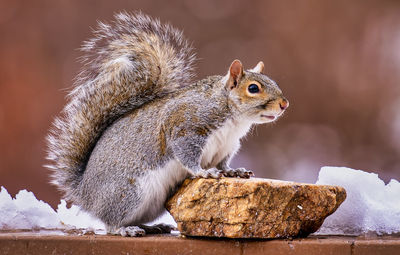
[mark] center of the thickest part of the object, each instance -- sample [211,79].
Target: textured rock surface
[252,208]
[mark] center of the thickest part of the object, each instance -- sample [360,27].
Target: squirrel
[136,125]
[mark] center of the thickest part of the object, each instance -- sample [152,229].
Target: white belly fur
[223,142]
[157,184]
[155,187]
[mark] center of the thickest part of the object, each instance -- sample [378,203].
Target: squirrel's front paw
[218,173]
[238,172]
[212,173]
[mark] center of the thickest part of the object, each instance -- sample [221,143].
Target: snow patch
[370,206]
[77,218]
[26,212]
[165,218]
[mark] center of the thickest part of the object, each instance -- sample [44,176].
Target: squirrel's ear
[234,74]
[259,68]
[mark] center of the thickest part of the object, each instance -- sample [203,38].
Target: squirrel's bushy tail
[127,64]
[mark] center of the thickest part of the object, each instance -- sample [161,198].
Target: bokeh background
[337,62]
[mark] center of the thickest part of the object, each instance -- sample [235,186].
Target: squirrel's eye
[253,88]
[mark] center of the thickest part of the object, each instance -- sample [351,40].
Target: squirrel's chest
[223,142]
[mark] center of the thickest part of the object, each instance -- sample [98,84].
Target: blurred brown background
[337,62]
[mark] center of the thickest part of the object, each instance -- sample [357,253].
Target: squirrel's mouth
[271,117]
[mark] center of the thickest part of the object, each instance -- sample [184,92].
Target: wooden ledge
[31,243]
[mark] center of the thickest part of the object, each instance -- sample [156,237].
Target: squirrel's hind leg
[142,230]
[161,228]
[128,231]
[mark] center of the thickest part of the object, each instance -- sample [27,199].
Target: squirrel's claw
[238,172]
[217,173]
[161,228]
[130,231]
[142,230]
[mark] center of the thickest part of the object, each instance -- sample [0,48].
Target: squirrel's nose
[284,104]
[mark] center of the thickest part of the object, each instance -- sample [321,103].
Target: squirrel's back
[128,63]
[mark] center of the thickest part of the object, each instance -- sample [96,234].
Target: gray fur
[135,127]
[128,63]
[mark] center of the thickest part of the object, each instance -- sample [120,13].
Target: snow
[77,218]
[165,218]
[26,212]
[370,206]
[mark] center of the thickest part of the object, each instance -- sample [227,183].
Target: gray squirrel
[136,125]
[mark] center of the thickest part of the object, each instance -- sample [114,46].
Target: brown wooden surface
[30,243]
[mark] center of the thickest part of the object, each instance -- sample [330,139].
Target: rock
[252,208]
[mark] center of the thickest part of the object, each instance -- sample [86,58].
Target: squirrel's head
[254,94]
